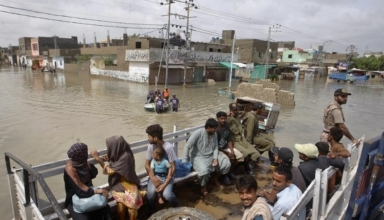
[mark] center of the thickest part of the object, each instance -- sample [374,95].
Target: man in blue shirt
[284,194]
[159,104]
[175,103]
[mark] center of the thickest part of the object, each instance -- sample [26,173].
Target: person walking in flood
[122,176]
[202,150]
[252,133]
[334,117]
[175,103]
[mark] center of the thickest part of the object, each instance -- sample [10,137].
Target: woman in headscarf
[122,177]
[78,175]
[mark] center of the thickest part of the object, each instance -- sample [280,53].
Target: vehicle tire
[181,213]
[338,80]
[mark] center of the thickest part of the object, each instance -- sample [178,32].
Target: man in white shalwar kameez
[202,150]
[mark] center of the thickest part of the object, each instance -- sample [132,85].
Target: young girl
[122,177]
[160,167]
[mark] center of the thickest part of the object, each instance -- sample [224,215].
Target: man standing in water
[202,150]
[175,103]
[334,117]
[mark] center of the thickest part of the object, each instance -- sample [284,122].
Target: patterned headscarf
[79,156]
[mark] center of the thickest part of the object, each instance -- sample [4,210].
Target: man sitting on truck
[252,133]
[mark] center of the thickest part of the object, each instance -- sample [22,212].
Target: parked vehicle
[350,76]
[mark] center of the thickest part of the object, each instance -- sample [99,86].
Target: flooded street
[43,114]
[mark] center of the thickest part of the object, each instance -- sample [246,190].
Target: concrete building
[376,54]
[40,47]
[145,57]
[25,51]
[58,57]
[282,46]
[296,56]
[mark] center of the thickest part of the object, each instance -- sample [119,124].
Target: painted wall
[177,56]
[294,56]
[138,72]
[58,62]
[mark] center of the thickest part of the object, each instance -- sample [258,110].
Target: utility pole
[230,71]
[351,49]
[187,37]
[268,48]
[169,2]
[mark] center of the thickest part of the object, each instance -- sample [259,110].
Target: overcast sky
[308,22]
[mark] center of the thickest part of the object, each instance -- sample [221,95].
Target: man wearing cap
[238,139]
[334,117]
[312,161]
[283,157]
[252,133]
[175,103]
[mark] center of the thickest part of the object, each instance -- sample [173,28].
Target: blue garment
[160,103]
[286,199]
[160,168]
[259,217]
[175,102]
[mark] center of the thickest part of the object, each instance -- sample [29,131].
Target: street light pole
[188,45]
[167,51]
[230,71]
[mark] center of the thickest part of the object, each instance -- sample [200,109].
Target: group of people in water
[215,151]
[161,100]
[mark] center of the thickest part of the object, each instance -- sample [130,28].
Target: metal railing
[27,172]
[317,191]
[40,172]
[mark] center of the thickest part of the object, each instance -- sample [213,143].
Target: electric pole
[268,46]
[320,57]
[187,37]
[351,49]
[169,2]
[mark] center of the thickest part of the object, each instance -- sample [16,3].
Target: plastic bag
[182,169]
[82,205]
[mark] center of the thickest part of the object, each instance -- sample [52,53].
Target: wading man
[334,117]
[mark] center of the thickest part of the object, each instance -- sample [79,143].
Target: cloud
[308,22]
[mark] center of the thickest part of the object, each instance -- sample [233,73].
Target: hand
[156,181]
[331,155]
[230,114]
[356,142]
[105,158]
[160,188]
[94,154]
[214,164]
[103,192]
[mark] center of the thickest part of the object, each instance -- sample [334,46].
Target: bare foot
[204,190]
[217,183]
[161,201]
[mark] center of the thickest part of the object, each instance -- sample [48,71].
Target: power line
[66,16]
[74,22]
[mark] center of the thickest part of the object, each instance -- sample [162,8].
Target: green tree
[83,58]
[368,63]
[108,61]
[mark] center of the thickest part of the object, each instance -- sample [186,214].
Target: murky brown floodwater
[43,114]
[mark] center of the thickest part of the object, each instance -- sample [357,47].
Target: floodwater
[43,114]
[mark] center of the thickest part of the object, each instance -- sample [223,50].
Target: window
[260,55]
[210,49]
[219,50]
[162,45]
[271,55]
[290,56]
[34,46]
[138,45]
